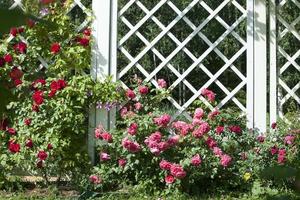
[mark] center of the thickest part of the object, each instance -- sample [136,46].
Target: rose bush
[44,122]
[151,150]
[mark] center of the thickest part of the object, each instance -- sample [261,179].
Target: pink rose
[281,156]
[138,106]
[165,165]
[11,131]
[169,179]
[95,179]
[289,139]
[172,141]
[182,127]
[219,130]
[162,83]
[213,114]
[274,150]
[225,160]
[123,112]
[210,95]
[143,90]
[107,137]
[177,171]
[202,130]
[217,151]
[162,120]
[196,160]
[133,147]
[130,94]
[211,143]
[104,156]
[122,162]
[199,113]
[132,130]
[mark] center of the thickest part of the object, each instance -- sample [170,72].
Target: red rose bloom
[13,147]
[20,30]
[27,122]
[20,47]
[49,146]
[11,131]
[15,73]
[14,31]
[55,48]
[18,82]
[38,97]
[84,41]
[8,58]
[169,179]
[130,94]
[29,143]
[61,84]
[35,84]
[143,90]
[42,155]
[87,32]
[122,162]
[35,108]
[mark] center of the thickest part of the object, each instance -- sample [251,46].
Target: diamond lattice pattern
[288,54]
[193,44]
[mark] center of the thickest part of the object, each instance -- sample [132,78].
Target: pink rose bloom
[12,131]
[133,147]
[97,134]
[225,160]
[213,114]
[211,143]
[235,129]
[274,150]
[281,156]
[182,127]
[163,146]
[130,94]
[162,83]
[104,156]
[196,122]
[123,112]
[289,139]
[202,130]
[196,160]
[261,138]
[219,130]
[217,151]
[156,136]
[165,165]
[132,130]
[199,113]
[122,162]
[169,179]
[177,171]
[172,141]
[210,95]
[162,120]
[143,90]
[95,179]
[107,137]
[138,106]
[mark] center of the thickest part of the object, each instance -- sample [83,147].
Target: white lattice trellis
[181,46]
[280,91]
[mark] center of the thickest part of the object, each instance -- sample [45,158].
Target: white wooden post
[257,65]
[273,62]
[104,61]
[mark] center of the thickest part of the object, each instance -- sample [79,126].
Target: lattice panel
[288,55]
[78,9]
[193,44]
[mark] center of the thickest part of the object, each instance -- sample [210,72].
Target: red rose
[274,125]
[54,86]
[130,94]
[35,108]
[169,179]
[18,82]
[20,47]
[211,143]
[14,31]
[87,32]
[219,130]
[38,97]
[8,58]
[143,90]
[235,129]
[27,122]
[42,155]
[55,48]
[20,30]
[84,41]
[13,147]
[38,82]
[49,146]
[61,84]
[107,137]
[12,131]
[15,73]
[29,143]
